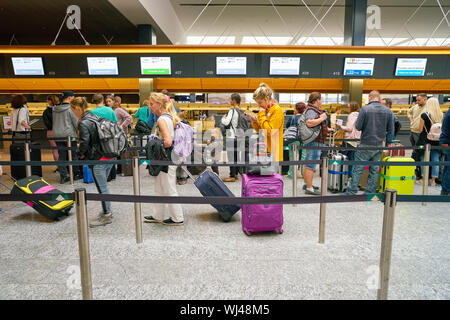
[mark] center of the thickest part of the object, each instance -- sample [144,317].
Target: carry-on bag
[400,178]
[17,152]
[262,217]
[210,185]
[87,174]
[53,209]
[337,172]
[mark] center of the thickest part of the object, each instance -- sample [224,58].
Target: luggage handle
[189,174]
[4,185]
[10,176]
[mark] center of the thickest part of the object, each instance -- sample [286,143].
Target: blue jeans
[351,156]
[100,173]
[446,174]
[312,154]
[434,156]
[365,155]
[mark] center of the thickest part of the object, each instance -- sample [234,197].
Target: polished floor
[209,259]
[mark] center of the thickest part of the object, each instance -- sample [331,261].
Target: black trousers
[414,139]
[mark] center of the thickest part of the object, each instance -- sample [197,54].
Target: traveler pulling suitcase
[17,152]
[397,178]
[51,210]
[262,217]
[210,185]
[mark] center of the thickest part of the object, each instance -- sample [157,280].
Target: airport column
[354,35]
[146,86]
[355,22]
[352,90]
[146,35]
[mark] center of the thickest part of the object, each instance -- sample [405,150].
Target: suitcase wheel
[226,217]
[280,231]
[248,232]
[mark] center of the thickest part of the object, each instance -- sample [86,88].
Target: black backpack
[143,127]
[243,121]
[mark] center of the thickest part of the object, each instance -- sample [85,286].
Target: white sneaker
[101,220]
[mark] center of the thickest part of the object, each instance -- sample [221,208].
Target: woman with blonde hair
[270,118]
[431,114]
[165,184]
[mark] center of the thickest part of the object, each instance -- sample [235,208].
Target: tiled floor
[209,259]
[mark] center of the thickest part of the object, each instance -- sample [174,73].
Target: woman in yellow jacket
[269,118]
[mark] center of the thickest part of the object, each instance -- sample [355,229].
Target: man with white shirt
[230,121]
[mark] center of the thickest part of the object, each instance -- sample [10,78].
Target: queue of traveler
[373,125]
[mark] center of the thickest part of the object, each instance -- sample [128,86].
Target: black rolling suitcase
[51,210]
[17,152]
[209,184]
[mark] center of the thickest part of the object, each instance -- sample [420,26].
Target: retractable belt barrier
[372,197]
[256,164]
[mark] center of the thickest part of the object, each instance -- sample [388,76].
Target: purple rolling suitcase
[262,217]
[209,184]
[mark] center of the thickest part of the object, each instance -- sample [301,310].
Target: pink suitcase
[262,217]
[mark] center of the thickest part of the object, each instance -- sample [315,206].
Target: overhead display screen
[359,66]
[288,66]
[101,66]
[156,65]
[411,67]
[231,65]
[28,66]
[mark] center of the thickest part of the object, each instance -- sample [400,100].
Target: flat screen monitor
[32,66]
[359,66]
[156,65]
[102,66]
[287,66]
[231,65]
[410,67]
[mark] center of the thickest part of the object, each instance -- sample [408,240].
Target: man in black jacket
[90,150]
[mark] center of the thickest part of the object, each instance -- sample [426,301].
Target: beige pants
[165,185]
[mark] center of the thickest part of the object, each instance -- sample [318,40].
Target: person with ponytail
[270,118]
[165,184]
[431,114]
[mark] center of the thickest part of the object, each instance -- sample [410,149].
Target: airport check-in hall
[225,150]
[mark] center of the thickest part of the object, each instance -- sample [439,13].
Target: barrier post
[323,206]
[27,158]
[137,206]
[83,243]
[426,172]
[294,171]
[390,202]
[69,158]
